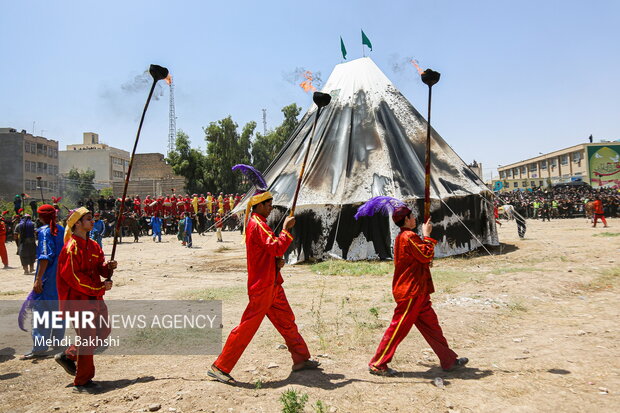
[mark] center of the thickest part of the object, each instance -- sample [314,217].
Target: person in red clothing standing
[412,286]
[81,286]
[3,253]
[265,292]
[599,212]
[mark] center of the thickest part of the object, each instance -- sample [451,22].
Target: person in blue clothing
[98,229]
[156,227]
[45,296]
[188,228]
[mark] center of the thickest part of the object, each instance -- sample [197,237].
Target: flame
[306,85]
[168,79]
[415,63]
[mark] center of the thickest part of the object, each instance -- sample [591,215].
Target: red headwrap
[47,214]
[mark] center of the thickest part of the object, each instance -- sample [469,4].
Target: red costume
[188,205]
[79,278]
[148,209]
[599,212]
[412,286]
[137,205]
[3,254]
[266,295]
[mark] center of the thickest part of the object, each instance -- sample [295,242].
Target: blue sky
[518,77]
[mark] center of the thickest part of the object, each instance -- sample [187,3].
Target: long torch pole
[427,165]
[429,77]
[158,73]
[321,100]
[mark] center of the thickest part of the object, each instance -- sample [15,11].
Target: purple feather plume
[26,308]
[252,174]
[383,204]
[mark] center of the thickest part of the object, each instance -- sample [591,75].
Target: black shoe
[66,363]
[460,362]
[89,387]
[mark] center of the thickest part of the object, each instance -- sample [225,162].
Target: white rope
[472,234]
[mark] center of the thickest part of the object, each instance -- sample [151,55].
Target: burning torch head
[430,77]
[321,99]
[158,72]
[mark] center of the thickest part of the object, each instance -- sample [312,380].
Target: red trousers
[272,303]
[602,217]
[83,355]
[418,311]
[3,254]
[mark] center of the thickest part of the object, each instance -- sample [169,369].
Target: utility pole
[264,121]
[172,123]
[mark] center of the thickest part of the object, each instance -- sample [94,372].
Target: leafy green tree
[226,148]
[189,163]
[79,185]
[266,147]
[106,192]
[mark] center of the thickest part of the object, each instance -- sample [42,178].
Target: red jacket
[80,271]
[262,248]
[412,275]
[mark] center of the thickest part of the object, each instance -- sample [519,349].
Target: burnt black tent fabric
[370,141]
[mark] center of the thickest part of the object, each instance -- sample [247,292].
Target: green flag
[366,41]
[343,49]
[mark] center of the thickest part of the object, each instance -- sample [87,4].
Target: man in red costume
[599,212]
[3,253]
[81,268]
[148,209]
[265,291]
[137,205]
[412,286]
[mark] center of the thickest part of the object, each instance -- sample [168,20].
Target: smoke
[296,76]
[401,65]
[141,83]
[126,99]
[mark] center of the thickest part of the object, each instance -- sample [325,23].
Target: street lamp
[41,188]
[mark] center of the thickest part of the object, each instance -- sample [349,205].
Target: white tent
[370,141]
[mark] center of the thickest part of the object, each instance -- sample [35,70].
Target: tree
[79,185]
[226,148]
[189,163]
[106,192]
[266,147]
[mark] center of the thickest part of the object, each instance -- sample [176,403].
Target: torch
[429,77]
[158,73]
[41,188]
[321,100]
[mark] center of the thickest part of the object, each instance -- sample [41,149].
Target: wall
[11,161]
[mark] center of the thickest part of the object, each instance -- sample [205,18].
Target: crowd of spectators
[562,201]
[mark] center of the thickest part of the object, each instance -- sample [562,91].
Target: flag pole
[429,77]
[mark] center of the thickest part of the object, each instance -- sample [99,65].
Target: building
[476,168]
[597,164]
[109,164]
[151,175]
[26,160]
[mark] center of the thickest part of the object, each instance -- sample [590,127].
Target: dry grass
[607,234]
[222,293]
[355,268]
[13,292]
[605,280]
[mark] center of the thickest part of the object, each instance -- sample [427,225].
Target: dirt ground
[538,321]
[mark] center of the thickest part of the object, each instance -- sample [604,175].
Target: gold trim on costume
[394,334]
